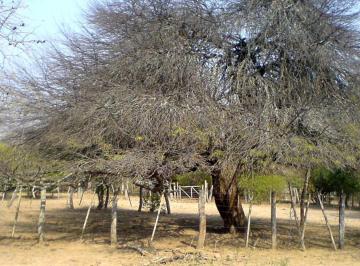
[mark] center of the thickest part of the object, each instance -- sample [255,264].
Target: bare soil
[175,237]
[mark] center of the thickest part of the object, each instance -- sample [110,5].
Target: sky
[46,16]
[43,20]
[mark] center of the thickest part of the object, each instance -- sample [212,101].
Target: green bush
[196,178]
[261,185]
[337,180]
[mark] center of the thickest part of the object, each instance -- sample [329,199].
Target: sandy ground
[175,237]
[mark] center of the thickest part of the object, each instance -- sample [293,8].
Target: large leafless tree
[160,87]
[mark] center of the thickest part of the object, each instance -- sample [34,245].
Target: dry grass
[176,235]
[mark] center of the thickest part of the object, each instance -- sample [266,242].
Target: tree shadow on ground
[133,226]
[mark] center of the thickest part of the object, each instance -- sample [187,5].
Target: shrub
[261,185]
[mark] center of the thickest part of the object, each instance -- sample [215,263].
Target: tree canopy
[155,88]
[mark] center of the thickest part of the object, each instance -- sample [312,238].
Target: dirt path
[176,236]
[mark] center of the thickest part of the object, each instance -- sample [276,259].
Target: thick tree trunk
[226,194]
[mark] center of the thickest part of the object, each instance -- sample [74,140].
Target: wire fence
[63,221]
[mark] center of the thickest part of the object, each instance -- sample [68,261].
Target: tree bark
[225,192]
[342,220]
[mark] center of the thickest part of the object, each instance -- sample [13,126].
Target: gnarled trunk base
[227,200]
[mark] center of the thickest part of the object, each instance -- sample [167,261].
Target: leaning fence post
[17,213]
[157,217]
[41,223]
[202,219]
[87,216]
[273,219]
[326,220]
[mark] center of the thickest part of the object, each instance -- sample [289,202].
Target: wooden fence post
[157,217]
[273,219]
[17,213]
[41,223]
[202,219]
[113,231]
[249,221]
[292,200]
[87,216]
[342,220]
[326,220]
[302,240]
